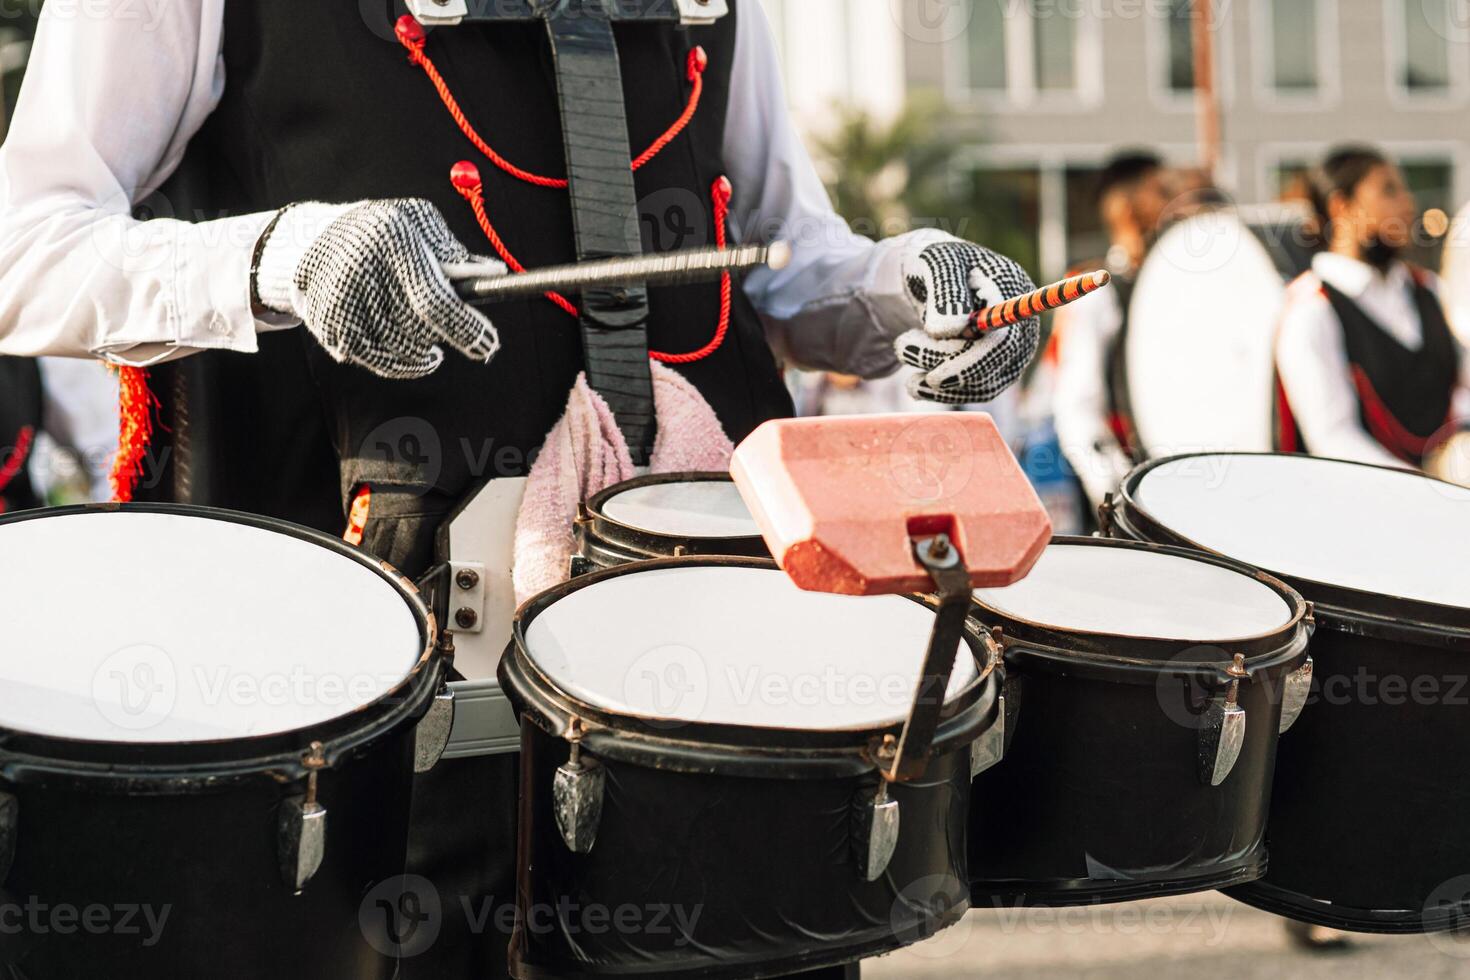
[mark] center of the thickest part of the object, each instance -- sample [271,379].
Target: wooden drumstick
[1052,297]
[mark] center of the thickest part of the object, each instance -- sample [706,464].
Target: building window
[987,46]
[1295,52]
[1054,46]
[1433,182]
[1423,56]
[1025,50]
[1181,45]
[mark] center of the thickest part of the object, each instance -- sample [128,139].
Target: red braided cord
[466,179]
[411,35]
[698,60]
[720,194]
[18,454]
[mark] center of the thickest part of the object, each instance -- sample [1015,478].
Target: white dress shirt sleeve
[841,301]
[113,93]
[1313,364]
[1080,400]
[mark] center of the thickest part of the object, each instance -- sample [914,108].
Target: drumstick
[669,268]
[1052,297]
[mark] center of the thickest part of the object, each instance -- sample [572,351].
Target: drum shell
[766,864]
[1366,813]
[193,828]
[754,831]
[210,857]
[1086,808]
[1354,770]
[603,542]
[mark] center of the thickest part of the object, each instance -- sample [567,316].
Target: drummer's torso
[322,103]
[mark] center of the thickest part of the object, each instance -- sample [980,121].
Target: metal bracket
[302,828]
[467,595]
[699,13]
[1294,694]
[576,795]
[877,835]
[439,13]
[942,560]
[9,831]
[431,737]
[1222,730]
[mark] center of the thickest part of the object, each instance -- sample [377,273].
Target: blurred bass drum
[1201,326]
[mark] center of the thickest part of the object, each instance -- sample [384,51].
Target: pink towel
[585,453]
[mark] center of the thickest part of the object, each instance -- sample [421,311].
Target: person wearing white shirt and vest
[1093,419]
[332,165]
[1367,366]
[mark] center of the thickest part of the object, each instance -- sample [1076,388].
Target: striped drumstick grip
[1047,298]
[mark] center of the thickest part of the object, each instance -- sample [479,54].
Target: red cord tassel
[136,405]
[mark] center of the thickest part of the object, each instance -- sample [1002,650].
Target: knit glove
[371,283]
[947,282]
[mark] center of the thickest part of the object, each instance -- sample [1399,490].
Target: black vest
[321,103]
[1404,396]
[20,421]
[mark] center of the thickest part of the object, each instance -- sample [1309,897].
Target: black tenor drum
[207,739]
[666,516]
[1145,690]
[698,744]
[1367,818]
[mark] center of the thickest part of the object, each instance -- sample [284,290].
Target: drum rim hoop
[280,752]
[1417,619]
[518,667]
[640,541]
[1149,655]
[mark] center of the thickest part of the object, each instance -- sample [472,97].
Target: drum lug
[302,828]
[877,835]
[1295,692]
[431,736]
[1105,512]
[1222,730]
[576,795]
[9,831]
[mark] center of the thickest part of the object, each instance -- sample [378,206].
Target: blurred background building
[1027,98]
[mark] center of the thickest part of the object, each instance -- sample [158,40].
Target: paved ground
[1198,937]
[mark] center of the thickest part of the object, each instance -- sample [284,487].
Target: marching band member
[347,168]
[1091,400]
[1368,368]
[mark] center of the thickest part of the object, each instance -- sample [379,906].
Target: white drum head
[150,627]
[1202,324]
[695,509]
[1382,531]
[1140,593]
[737,646]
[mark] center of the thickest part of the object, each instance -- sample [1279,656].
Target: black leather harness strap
[604,212]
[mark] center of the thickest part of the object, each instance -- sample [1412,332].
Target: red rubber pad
[839,499]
